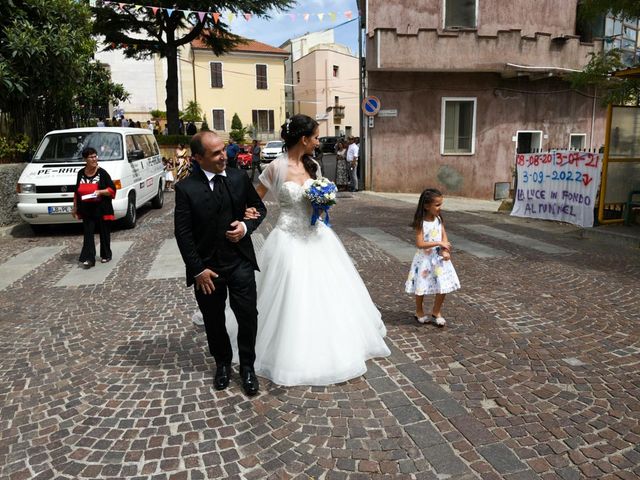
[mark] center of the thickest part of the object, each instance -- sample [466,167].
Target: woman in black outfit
[92,204]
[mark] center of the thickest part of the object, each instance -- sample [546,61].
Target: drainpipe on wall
[193,72]
[593,116]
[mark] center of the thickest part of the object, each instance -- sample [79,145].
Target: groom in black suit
[215,243]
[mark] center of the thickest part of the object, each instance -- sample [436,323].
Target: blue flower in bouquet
[322,194]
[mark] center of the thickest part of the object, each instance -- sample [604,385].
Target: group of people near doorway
[347,156]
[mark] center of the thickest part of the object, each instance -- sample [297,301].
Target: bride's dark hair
[292,131]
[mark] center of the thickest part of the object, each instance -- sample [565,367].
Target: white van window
[66,147]
[142,143]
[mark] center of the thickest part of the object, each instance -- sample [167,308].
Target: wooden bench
[631,203]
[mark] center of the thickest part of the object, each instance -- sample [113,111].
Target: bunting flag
[202,16]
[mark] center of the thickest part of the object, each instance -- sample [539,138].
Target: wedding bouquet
[322,194]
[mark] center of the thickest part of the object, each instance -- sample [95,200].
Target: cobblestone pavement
[535,376]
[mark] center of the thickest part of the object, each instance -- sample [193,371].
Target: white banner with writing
[558,185]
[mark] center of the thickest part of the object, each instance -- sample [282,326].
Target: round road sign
[371,105]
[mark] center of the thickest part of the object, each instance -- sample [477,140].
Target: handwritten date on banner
[558,185]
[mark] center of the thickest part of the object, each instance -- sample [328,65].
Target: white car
[271,150]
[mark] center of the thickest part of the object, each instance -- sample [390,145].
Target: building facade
[326,88]
[248,81]
[470,83]
[299,47]
[144,80]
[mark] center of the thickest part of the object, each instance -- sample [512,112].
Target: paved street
[103,375]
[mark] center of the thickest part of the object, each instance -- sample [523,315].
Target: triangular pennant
[320,16]
[216,17]
[293,17]
[121,5]
[333,16]
[201,16]
[186,13]
[348,14]
[306,17]
[92,3]
[247,16]
[155,10]
[169,11]
[231,17]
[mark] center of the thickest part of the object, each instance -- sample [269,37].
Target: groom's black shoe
[250,383]
[221,379]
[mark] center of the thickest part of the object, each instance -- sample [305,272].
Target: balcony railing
[338,112]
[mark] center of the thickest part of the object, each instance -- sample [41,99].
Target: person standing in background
[255,158]
[232,153]
[353,152]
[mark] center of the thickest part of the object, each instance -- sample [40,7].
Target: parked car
[271,150]
[244,157]
[328,144]
[130,155]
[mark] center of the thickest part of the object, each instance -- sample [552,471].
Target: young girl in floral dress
[431,270]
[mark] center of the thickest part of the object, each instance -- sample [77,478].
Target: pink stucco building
[472,81]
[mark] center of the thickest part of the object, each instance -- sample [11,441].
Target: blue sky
[280,27]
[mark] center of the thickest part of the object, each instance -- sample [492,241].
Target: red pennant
[247,16]
[216,17]
[348,14]
[155,10]
[121,5]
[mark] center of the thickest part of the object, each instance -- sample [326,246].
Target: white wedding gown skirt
[317,324]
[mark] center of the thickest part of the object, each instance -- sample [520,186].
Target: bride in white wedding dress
[317,324]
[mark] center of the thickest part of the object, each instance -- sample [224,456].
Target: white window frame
[473,126]
[221,74]
[583,135]
[518,132]
[224,120]
[444,16]
[255,69]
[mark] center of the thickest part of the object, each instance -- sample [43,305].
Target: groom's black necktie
[218,189]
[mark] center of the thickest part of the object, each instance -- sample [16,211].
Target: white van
[130,155]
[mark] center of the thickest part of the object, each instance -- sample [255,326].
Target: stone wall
[9,175]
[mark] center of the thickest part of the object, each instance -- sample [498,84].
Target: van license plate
[57,210]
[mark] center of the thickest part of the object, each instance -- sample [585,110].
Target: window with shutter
[460,14]
[261,77]
[263,120]
[216,74]
[218,120]
[458,126]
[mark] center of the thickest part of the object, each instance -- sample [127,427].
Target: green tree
[237,130]
[97,91]
[621,8]
[46,54]
[193,112]
[140,32]
[205,126]
[599,70]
